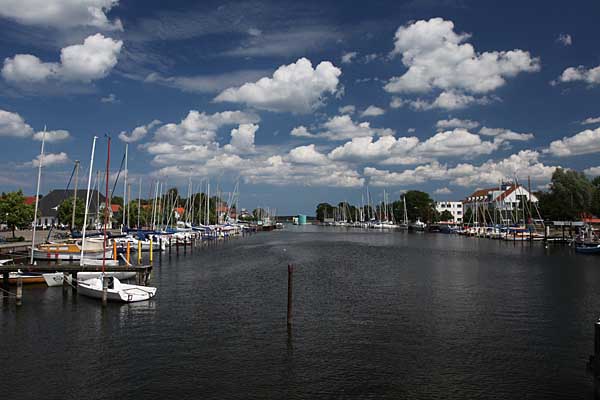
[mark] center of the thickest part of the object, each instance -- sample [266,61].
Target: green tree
[65,213]
[259,213]
[570,196]
[324,210]
[446,216]
[14,211]
[595,209]
[418,205]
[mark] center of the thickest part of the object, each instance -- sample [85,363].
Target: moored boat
[116,291]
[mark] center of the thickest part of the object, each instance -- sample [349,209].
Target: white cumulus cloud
[590,76]
[438,58]
[585,142]
[456,123]
[297,88]
[138,133]
[92,60]
[505,134]
[12,124]
[61,14]
[372,111]
[591,121]
[307,155]
[50,159]
[52,136]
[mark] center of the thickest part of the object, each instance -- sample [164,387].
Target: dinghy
[116,291]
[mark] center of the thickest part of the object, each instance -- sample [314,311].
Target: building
[508,198]
[454,207]
[48,207]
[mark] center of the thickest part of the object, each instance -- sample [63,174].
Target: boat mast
[208,203]
[139,204]
[106,207]
[125,186]
[87,200]
[75,195]
[37,193]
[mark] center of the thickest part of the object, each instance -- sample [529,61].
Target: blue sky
[302,101]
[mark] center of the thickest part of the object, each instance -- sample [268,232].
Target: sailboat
[404,223]
[115,290]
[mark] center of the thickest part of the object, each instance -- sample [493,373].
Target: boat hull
[56,278]
[118,292]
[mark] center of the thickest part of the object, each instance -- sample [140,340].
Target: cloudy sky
[301,101]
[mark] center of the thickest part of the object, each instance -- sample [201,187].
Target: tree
[446,216]
[595,209]
[570,196]
[258,214]
[65,213]
[324,210]
[15,212]
[418,205]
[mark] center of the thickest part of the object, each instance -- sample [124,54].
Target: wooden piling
[151,255]
[5,285]
[290,290]
[139,252]
[128,253]
[65,283]
[114,249]
[104,291]
[19,290]
[74,282]
[169,245]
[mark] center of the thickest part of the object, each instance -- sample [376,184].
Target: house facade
[508,202]
[48,207]
[454,207]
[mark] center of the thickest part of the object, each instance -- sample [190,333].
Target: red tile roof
[115,208]
[29,200]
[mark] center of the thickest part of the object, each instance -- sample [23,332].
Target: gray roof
[48,205]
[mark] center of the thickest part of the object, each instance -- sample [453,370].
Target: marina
[299,200]
[392,314]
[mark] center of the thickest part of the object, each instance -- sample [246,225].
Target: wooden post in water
[104,291]
[65,283]
[139,252]
[151,253]
[19,290]
[290,290]
[74,282]
[128,253]
[5,285]
[114,250]
[169,245]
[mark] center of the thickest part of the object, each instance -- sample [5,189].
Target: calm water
[376,315]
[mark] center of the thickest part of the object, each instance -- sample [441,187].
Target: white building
[506,197]
[454,207]
[513,202]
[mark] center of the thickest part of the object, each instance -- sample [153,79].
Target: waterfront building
[454,207]
[48,207]
[513,202]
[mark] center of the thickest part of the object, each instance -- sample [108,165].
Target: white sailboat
[115,290]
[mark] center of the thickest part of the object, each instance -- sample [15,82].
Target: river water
[376,315]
